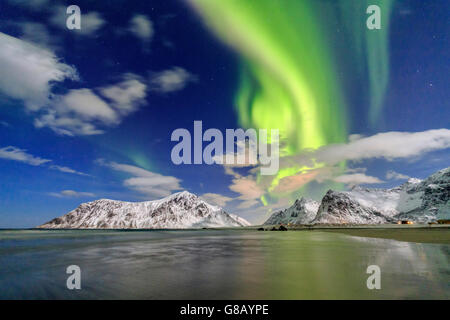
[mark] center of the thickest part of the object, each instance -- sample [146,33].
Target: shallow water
[213,264]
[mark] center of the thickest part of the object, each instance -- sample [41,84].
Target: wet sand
[420,235]
[221,264]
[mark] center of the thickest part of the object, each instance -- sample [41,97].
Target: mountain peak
[180,210]
[416,200]
[414,181]
[184,193]
[180,195]
[301,212]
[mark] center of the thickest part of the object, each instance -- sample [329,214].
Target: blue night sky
[88,114]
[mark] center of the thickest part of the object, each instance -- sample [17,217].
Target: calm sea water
[210,264]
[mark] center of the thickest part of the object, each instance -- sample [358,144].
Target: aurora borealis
[369,48]
[279,72]
[289,75]
[88,114]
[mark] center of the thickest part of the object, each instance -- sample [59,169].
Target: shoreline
[408,233]
[419,235]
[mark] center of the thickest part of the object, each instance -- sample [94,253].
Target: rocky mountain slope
[415,200]
[303,211]
[178,211]
[428,199]
[341,208]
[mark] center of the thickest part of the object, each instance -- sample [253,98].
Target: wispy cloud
[126,96]
[216,199]
[174,79]
[67,170]
[71,194]
[77,113]
[357,178]
[21,155]
[83,112]
[28,72]
[91,22]
[142,27]
[151,184]
[244,154]
[392,175]
[246,186]
[390,146]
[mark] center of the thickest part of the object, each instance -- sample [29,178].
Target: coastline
[439,234]
[409,233]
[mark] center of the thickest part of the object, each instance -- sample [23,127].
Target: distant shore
[410,233]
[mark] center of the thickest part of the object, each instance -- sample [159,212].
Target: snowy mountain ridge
[416,200]
[178,211]
[303,211]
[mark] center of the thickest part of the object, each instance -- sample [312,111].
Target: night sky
[88,114]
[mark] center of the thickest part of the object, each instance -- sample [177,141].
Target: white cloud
[246,204]
[354,137]
[142,27]
[16,154]
[392,175]
[244,155]
[387,145]
[216,199]
[247,187]
[171,80]
[71,194]
[83,112]
[27,72]
[91,22]
[21,155]
[356,170]
[357,178]
[250,191]
[85,105]
[69,126]
[146,182]
[127,95]
[67,170]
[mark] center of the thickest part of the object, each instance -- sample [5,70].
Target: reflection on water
[217,265]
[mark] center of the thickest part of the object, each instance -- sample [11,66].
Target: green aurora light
[289,78]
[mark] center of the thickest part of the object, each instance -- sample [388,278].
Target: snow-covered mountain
[428,199]
[341,208]
[179,211]
[303,211]
[415,200]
